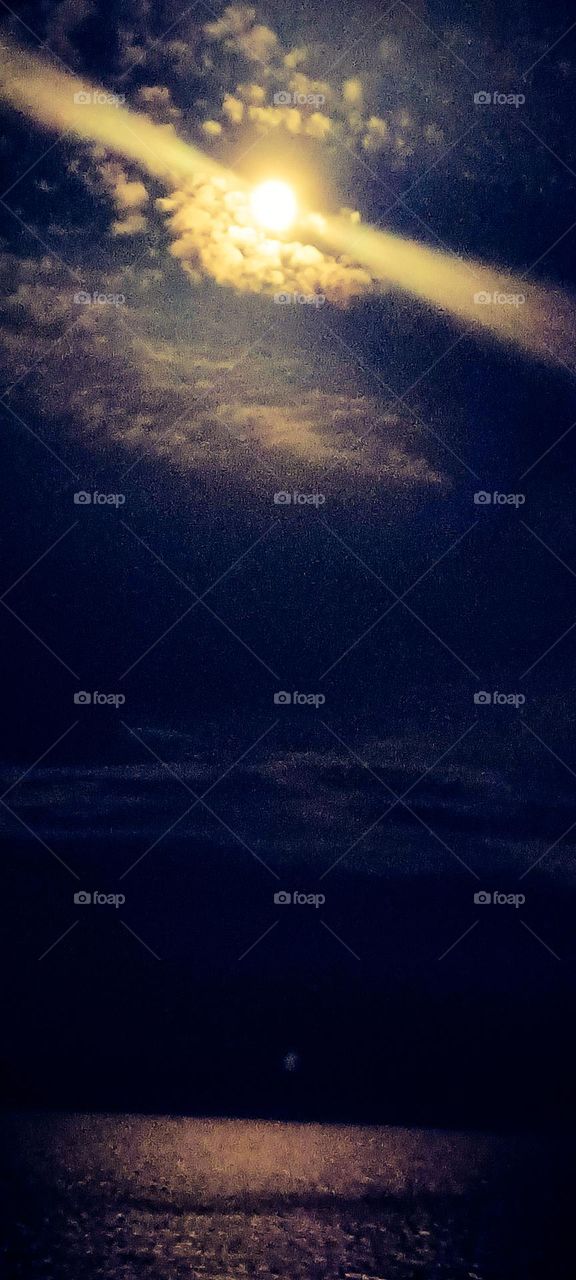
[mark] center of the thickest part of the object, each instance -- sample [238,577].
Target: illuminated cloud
[240,33]
[233,109]
[212,128]
[292,99]
[214,233]
[122,374]
[127,194]
[131,225]
[156,99]
[352,92]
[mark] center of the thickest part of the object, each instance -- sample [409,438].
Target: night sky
[384,591]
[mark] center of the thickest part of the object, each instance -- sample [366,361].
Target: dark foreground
[131,1196]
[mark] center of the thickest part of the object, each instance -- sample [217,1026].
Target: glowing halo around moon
[274,205]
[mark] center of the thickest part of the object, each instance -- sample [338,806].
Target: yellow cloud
[239,32]
[214,234]
[133,224]
[251,93]
[352,92]
[212,128]
[377,134]
[318,125]
[233,109]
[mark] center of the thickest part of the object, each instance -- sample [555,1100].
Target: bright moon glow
[274,205]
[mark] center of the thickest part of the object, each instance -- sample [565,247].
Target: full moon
[274,205]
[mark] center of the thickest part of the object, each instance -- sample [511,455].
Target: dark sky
[394,595]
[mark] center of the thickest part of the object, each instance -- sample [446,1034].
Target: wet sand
[131,1196]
